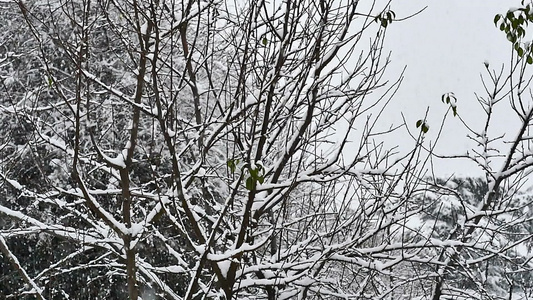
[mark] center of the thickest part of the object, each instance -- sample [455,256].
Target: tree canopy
[233,150]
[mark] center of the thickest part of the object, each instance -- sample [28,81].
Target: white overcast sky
[444,49]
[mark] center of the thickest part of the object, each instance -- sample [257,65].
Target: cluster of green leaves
[232,165]
[385,18]
[449,98]
[423,125]
[514,24]
[256,174]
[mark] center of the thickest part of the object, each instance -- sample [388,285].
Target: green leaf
[529,59]
[520,51]
[264,41]
[390,16]
[425,128]
[496,19]
[261,179]
[253,173]
[250,183]
[520,32]
[418,123]
[231,165]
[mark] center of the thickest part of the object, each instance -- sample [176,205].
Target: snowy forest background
[235,150]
